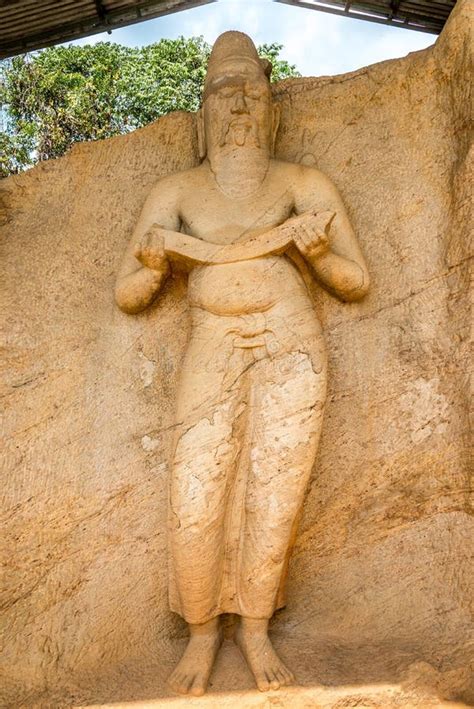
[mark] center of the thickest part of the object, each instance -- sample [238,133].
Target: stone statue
[253,382]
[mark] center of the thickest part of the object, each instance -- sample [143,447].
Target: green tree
[61,95]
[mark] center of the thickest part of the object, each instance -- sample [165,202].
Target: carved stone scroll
[271,241]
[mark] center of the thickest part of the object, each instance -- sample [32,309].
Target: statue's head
[237,107]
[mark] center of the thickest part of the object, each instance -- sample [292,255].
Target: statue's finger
[309,236]
[303,241]
[311,225]
[158,238]
[152,234]
[316,225]
[144,241]
[299,242]
[160,244]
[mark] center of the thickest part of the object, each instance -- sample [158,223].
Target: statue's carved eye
[227,92]
[255,95]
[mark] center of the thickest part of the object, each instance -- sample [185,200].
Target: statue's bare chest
[211,215]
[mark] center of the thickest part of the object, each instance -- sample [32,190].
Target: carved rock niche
[379,588]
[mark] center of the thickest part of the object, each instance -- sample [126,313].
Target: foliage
[281,69]
[61,95]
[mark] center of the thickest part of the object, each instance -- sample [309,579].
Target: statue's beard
[239,159]
[239,132]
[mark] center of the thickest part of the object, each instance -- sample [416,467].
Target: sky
[317,43]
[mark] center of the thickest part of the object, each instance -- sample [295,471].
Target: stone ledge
[362,696]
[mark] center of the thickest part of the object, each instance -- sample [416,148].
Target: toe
[274,682]
[173,680]
[285,674]
[197,691]
[181,682]
[184,683]
[262,683]
[198,687]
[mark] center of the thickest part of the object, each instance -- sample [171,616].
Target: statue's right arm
[137,285]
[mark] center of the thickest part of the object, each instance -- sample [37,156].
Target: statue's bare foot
[192,672]
[265,665]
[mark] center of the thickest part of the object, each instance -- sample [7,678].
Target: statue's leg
[288,395]
[202,472]
[201,477]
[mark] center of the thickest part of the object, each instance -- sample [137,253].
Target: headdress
[229,48]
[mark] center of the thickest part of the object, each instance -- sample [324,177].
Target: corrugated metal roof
[31,24]
[421,15]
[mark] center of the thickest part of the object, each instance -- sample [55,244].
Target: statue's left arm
[333,253]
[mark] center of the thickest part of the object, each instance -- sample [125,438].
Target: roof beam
[100,10]
[416,15]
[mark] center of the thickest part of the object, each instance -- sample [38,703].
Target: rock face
[380,583]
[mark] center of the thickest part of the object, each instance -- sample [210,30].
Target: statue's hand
[151,250]
[311,237]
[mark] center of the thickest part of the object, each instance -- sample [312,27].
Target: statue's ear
[201,135]
[267,67]
[275,124]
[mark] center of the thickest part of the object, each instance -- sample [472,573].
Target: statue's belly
[244,287]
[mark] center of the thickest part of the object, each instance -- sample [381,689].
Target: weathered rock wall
[386,529]
[381,579]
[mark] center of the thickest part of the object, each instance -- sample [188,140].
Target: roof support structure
[26,25]
[100,10]
[420,15]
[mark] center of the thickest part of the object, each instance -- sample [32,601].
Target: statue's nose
[240,105]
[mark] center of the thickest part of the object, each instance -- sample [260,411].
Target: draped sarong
[250,405]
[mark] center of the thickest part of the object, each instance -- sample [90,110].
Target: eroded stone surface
[381,579]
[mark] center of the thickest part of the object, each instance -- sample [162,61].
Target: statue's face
[238,112]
